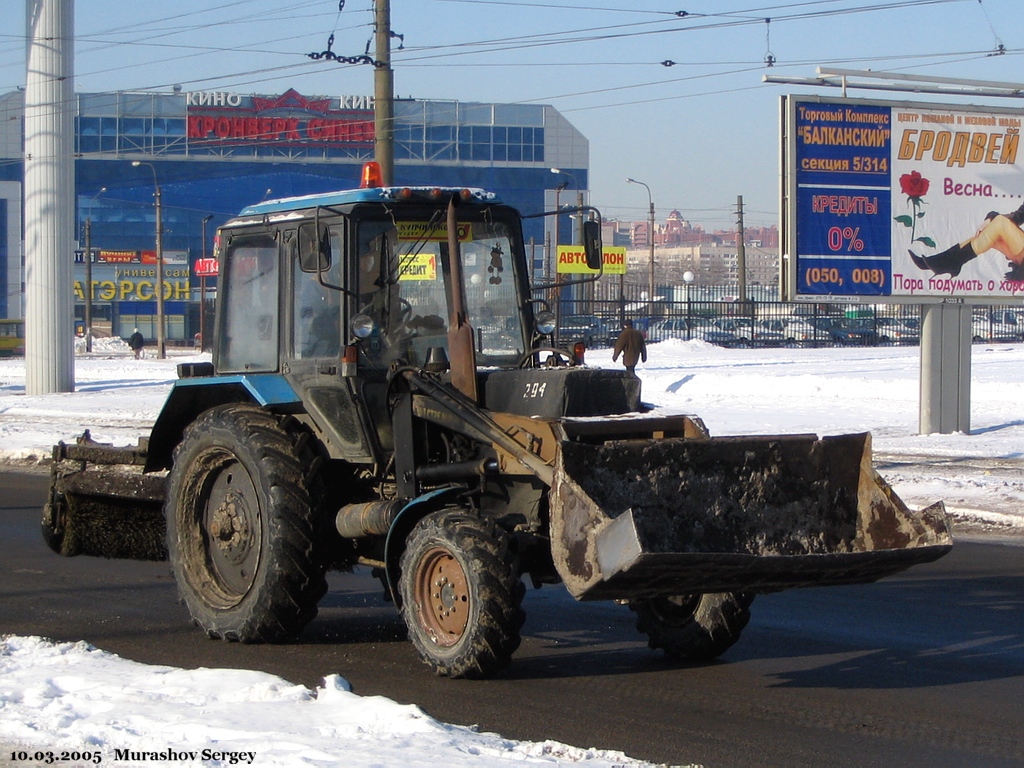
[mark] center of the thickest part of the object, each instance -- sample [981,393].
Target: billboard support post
[945,398]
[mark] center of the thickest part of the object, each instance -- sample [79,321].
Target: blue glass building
[213,153]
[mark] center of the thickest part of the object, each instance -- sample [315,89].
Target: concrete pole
[49,198]
[383,93]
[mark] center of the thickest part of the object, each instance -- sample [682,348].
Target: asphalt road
[922,669]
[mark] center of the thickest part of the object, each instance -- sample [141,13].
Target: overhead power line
[659,22]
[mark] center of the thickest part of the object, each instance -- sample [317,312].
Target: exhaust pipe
[371,518]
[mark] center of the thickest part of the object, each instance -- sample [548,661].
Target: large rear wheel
[461,594]
[240,526]
[697,627]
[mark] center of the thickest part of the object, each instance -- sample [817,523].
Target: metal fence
[711,315]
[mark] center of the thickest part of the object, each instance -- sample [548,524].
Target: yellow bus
[12,337]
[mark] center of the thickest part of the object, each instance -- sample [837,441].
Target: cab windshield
[403,286]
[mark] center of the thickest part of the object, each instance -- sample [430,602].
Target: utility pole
[88,284]
[650,236]
[741,250]
[161,325]
[383,93]
[202,291]
[88,273]
[161,320]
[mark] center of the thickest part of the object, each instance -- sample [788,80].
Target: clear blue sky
[699,133]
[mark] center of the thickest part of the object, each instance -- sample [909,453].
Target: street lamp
[579,202]
[650,238]
[577,239]
[161,341]
[88,272]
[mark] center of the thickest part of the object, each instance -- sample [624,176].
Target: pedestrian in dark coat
[631,346]
[136,342]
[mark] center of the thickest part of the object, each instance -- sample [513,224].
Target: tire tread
[285,595]
[487,556]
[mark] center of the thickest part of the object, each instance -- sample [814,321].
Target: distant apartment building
[710,263]
[681,246]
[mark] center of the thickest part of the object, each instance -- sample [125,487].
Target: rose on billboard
[915,187]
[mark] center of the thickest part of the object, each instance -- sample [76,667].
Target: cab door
[316,331]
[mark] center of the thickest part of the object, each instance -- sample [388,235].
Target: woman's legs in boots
[998,233]
[1002,235]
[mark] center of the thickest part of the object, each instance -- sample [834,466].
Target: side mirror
[592,244]
[314,251]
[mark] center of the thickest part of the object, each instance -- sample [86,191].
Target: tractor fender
[400,529]
[190,397]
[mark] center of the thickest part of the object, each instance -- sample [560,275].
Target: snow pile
[71,696]
[107,345]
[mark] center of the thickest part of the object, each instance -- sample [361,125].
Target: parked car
[678,328]
[801,333]
[854,331]
[996,327]
[740,328]
[770,333]
[670,328]
[824,323]
[898,330]
[723,332]
[590,329]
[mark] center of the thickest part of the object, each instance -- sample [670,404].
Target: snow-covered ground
[72,697]
[735,391]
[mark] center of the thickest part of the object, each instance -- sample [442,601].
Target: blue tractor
[385,393]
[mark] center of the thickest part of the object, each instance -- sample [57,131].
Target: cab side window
[250,285]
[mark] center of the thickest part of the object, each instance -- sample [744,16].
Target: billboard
[901,201]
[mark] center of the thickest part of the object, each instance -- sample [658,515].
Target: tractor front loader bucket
[645,518]
[101,503]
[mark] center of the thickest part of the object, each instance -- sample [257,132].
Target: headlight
[362,326]
[545,322]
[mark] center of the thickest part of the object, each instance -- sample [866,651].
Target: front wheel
[461,594]
[697,627]
[240,526]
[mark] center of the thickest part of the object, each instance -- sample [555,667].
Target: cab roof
[370,195]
